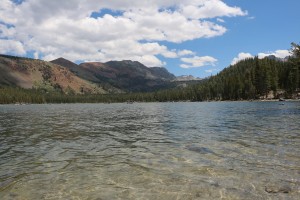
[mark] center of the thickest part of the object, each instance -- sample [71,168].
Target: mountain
[76,69]
[272,57]
[117,76]
[130,76]
[89,77]
[31,73]
[66,63]
[187,78]
[162,73]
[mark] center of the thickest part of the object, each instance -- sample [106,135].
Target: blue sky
[191,37]
[269,26]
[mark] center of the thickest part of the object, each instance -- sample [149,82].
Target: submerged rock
[202,150]
[278,189]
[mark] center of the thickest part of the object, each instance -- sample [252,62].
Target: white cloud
[65,28]
[7,8]
[197,61]
[36,55]
[185,52]
[211,9]
[220,20]
[210,70]
[277,53]
[241,56]
[9,46]
[7,32]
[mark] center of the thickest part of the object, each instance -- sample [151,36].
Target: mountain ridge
[126,75]
[88,77]
[33,73]
[249,79]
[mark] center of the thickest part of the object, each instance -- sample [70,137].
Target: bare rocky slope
[32,73]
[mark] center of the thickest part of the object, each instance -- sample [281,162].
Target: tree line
[252,78]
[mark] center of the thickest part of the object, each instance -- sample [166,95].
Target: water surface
[219,150]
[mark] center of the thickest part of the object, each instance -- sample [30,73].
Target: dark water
[222,150]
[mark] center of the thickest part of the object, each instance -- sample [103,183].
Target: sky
[190,37]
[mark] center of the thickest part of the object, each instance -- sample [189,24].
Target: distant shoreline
[133,102]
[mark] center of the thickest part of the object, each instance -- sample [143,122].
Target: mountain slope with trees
[126,75]
[252,78]
[249,79]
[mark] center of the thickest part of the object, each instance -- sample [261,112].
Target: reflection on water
[222,150]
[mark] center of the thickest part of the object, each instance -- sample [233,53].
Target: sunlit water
[221,150]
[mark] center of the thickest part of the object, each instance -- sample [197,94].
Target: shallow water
[217,150]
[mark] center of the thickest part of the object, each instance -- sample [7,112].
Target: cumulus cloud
[185,52]
[66,28]
[211,9]
[197,61]
[210,70]
[220,20]
[11,46]
[241,56]
[36,55]
[277,53]
[7,32]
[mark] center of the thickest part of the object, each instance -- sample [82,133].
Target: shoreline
[125,102]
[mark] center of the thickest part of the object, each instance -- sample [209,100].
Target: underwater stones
[201,150]
[278,189]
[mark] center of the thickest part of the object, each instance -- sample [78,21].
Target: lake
[205,150]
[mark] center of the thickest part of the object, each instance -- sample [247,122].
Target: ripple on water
[229,150]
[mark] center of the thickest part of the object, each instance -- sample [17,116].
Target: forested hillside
[252,78]
[249,79]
